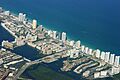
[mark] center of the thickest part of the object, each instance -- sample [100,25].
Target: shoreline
[96,53]
[69,37]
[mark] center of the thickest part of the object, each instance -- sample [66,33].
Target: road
[24,67]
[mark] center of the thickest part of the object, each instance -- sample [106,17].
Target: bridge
[24,67]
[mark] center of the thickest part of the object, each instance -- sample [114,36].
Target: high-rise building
[59,36]
[54,34]
[86,50]
[82,48]
[24,16]
[97,53]
[107,56]
[40,27]
[72,43]
[90,51]
[77,44]
[34,24]
[7,13]
[117,61]
[21,17]
[64,36]
[112,57]
[102,55]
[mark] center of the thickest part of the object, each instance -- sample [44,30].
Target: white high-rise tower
[112,57]
[21,17]
[34,24]
[107,56]
[102,55]
[86,50]
[97,53]
[90,51]
[72,43]
[54,34]
[7,13]
[63,36]
[77,44]
[117,61]
[82,48]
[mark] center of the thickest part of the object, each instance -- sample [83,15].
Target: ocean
[95,22]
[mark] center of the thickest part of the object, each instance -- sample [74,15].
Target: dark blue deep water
[95,22]
[5,35]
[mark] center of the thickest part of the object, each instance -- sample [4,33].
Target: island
[54,46]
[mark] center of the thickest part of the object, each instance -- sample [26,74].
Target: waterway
[28,52]
[55,66]
[5,35]
[33,54]
[95,22]
[25,51]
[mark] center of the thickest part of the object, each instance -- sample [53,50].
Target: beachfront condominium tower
[107,56]
[90,51]
[102,55]
[7,13]
[112,58]
[21,17]
[82,48]
[54,34]
[64,36]
[97,53]
[59,36]
[86,50]
[34,24]
[40,27]
[117,61]
[77,44]
[72,43]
